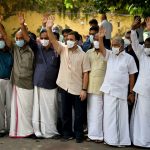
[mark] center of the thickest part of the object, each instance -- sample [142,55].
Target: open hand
[1,18]
[50,22]
[83,95]
[148,23]
[44,19]
[135,24]
[21,18]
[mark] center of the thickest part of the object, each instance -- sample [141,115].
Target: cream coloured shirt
[97,73]
[72,66]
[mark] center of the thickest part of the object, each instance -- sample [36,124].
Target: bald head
[19,35]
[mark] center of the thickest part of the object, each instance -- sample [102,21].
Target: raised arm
[23,28]
[147,23]
[57,46]
[138,48]
[102,32]
[4,34]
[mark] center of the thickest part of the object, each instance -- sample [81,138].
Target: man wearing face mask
[88,44]
[141,113]
[73,81]
[120,72]
[45,89]
[22,78]
[6,63]
[95,99]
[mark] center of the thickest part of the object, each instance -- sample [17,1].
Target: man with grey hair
[120,72]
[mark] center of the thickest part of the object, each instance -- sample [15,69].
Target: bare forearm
[53,40]
[101,46]
[132,82]
[85,80]
[25,33]
[4,34]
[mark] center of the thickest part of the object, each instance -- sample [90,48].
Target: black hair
[76,34]
[66,31]
[57,35]
[148,40]
[93,21]
[128,32]
[95,28]
[43,31]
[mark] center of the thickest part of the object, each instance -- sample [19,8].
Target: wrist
[84,89]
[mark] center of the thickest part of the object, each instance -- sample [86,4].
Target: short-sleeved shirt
[117,74]
[47,65]
[23,67]
[73,65]
[6,63]
[97,73]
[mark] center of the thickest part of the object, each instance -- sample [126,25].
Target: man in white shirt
[140,121]
[120,72]
[108,27]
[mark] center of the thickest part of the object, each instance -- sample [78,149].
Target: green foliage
[73,7]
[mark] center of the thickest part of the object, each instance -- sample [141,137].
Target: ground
[48,144]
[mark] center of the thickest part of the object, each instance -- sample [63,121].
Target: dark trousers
[68,101]
[107,44]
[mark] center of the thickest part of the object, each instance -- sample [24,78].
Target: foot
[65,139]
[79,140]
[56,137]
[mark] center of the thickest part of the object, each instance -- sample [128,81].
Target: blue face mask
[2,44]
[20,43]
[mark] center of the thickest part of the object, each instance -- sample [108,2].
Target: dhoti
[45,112]
[21,113]
[5,104]
[140,122]
[116,124]
[95,117]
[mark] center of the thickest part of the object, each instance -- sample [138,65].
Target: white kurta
[45,112]
[116,124]
[95,116]
[5,103]
[21,112]
[140,120]
[115,87]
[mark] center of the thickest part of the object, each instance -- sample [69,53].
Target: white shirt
[142,85]
[140,33]
[108,27]
[117,74]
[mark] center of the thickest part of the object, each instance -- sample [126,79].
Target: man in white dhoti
[95,98]
[6,63]
[140,120]
[120,72]
[22,97]
[45,89]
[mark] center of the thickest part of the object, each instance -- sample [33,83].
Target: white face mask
[70,44]
[44,42]
[126,42]
[115,50]
[147,51]
[96,44]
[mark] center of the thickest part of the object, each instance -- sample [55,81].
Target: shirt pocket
[27,59]
[123,69]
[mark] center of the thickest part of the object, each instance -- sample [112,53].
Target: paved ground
[47,144]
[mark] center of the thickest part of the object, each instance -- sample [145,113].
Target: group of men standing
[105,76]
